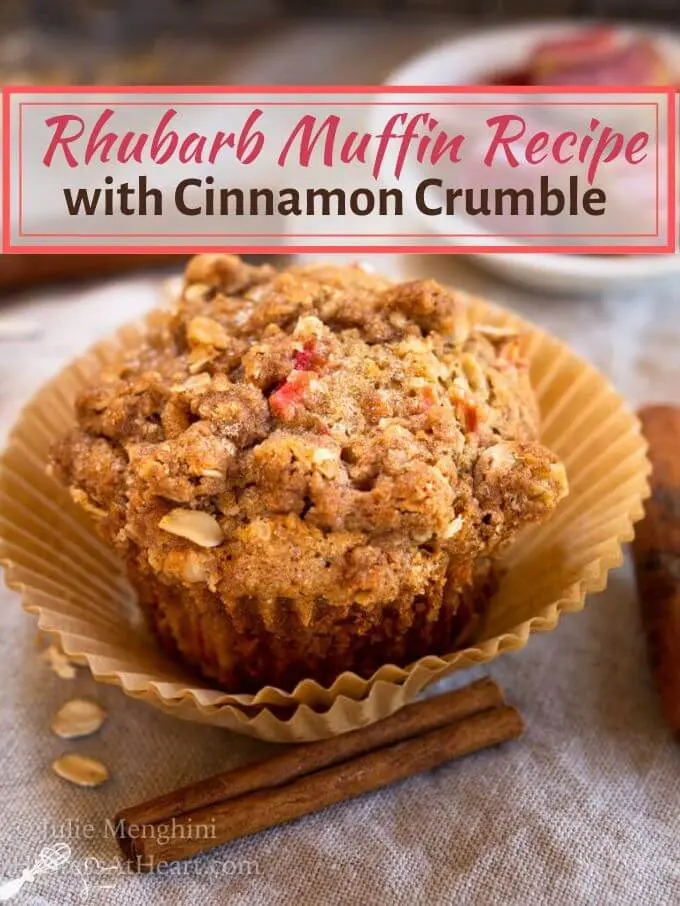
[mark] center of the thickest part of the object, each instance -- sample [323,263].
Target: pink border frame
[669,93]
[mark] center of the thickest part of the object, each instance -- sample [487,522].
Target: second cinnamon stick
[657,557]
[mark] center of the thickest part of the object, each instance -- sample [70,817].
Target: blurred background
[209,41]
[337,42]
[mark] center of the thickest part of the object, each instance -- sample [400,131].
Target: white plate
[484,56]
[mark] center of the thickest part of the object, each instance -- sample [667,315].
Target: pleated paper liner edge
[310,711]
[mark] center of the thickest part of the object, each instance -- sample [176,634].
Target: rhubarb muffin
[311,471]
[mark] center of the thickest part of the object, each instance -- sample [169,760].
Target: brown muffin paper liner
[77,588]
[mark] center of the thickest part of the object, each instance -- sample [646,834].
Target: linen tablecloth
[583,810]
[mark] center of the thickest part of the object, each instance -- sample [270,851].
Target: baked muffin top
[313,434]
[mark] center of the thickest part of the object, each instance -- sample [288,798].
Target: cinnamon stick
[298,760]
[657,557]
[146,844]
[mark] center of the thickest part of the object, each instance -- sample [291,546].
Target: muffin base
[234,647]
